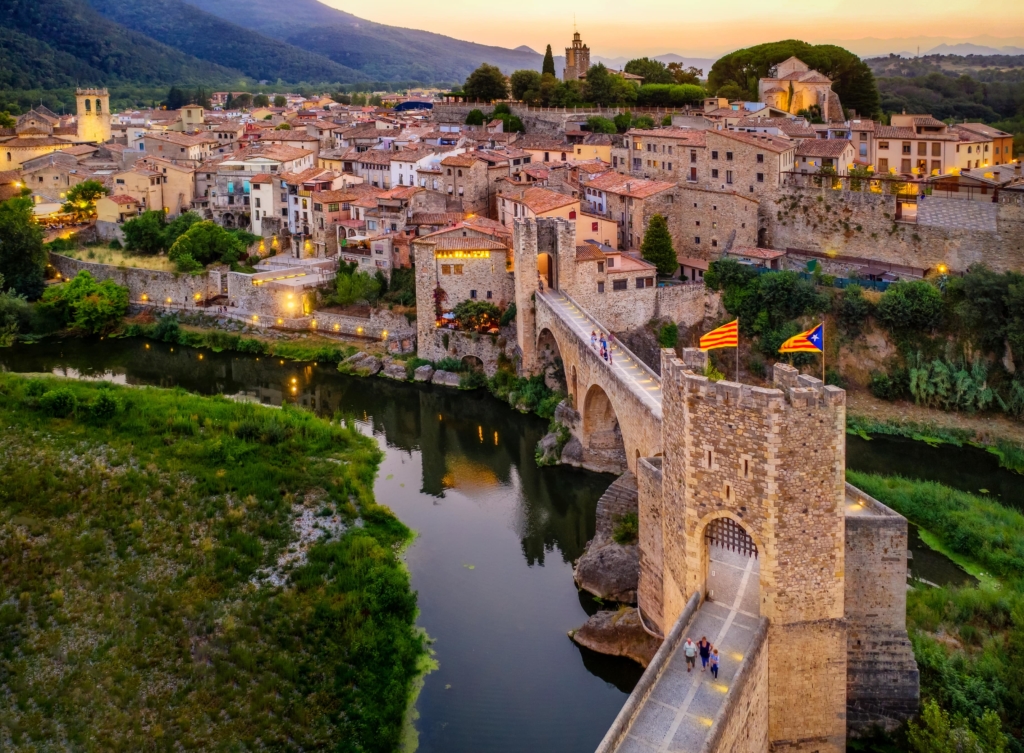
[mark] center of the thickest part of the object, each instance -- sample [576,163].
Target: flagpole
[822,352]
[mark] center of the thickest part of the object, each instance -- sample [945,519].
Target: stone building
[93,115]
[577,59]
[630,202]
[749,163]
[796,87]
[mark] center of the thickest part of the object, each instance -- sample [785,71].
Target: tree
[914,306]
[145,233]
[852,79]
[6,120]
[548,66]
[242,102]
[682,75]
[176,98]
[475,117]
[22,256]
[657,246]
[283,127]
[280,101]
[354,287]
[524,81]
[644,122]
[486,84]
[341,98]
[474,315]
[80,199]
[598,87]
[653,71]
[178,226]
[93,307]
[376,101]
[201,98]
[204,243]
[623,121]
[261,100]
[597,124]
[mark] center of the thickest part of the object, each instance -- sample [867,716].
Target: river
[496,535]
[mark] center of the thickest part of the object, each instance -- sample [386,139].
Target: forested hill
[64,43]
[207,37]
[989,88]
[380,52]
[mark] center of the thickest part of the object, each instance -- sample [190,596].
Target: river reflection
[496,536]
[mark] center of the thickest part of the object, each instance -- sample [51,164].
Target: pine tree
[549,63]
[657,246]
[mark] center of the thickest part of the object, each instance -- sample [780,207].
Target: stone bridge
[619,403]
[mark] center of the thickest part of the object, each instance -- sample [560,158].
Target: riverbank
[170,549]
[969,642]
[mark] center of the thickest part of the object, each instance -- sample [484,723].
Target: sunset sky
[642,27]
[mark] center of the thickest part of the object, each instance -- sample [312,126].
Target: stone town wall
[461,345]
[156,286]
[882,678]
[772,460]
[649,507]
[864,225]
[742,723]
[683,304]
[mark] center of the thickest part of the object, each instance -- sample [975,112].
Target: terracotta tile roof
[894,132]
[832,148]
[625,185]
[338,195]
[461,243]
[929,121]
[968,136]
[262,178]
[589,252]
[691,136]
[460,160]
[22,143]
[277,152]
[376,157]
[401,192]
[862,125]
[543,143]
[81,149]
[985,130]
[763,140]
[435,218]
[541,200]
[306,175]
[182,139]
[628,263]
[123,199]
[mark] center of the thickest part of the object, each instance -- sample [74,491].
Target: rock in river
[618,633]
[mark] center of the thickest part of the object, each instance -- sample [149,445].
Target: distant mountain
[378,51]
[973,49]
[216,40]
[527,48]
[62,43]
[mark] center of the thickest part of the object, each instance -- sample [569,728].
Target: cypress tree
[549,63]
[657,246]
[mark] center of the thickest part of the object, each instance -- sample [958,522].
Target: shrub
[657,246]
[475,117]
[167,329]
[668,335]
[911,307]
[852,310]
[627,529]
[58,403]
[252,345]
[509,316]
[93,307]
[448,363]
[890,386]
[203,243]
[104,407]
[475,315]
[358,286]
[145,234]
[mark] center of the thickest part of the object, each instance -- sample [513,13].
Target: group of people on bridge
[708,655]
[603,344]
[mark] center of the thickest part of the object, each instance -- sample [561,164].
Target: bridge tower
[759,471]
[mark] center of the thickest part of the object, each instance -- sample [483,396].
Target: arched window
[449,172]
[99,107]
[572,214]
[460,173]
[88,105]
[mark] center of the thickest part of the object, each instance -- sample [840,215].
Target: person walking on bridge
[593,339]
[690,652]
[705,652]
[714,662]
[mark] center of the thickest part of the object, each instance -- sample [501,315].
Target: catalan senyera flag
[726,336]
[811,341]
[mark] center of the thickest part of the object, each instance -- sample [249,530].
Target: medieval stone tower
[577,59]
[757,471]
[93,115]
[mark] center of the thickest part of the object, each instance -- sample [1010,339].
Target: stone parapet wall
[882,679]
[827,221]
[460,345]
[144,285]
[649,509]
[742,724]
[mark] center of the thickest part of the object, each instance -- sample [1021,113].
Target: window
[448,171]
[460,173]
[318,207]
[714,244]
[594,227]
[728,156]
[693,174]
[693,155]
[600,267]
[669,165]
[600,287]
[488,295]
[863,137]
[883,144]
[714,173]
[572,214]
[922,149]
[728,176]
[257,201]
[332,207]
[458,269]
[936,165]
[472,294]
[446,269]
[760,177]
[696,240]
[714,154]
[697,223]
[905,166]
[760,158]
[906,147]
[645,282]
[284,212]
[611,262]
[883,165]
[936,149]
[620,284]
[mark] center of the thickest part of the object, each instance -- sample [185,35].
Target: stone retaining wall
[466,344]
[684,304]
[144,285]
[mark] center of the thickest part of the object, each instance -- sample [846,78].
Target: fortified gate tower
[748,504]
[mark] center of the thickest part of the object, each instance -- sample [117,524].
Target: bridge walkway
[681,708]
[625,366]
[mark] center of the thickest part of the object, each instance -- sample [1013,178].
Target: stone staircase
[618,499]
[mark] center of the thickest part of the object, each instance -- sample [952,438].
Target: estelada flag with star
[811,341]
[726,336]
